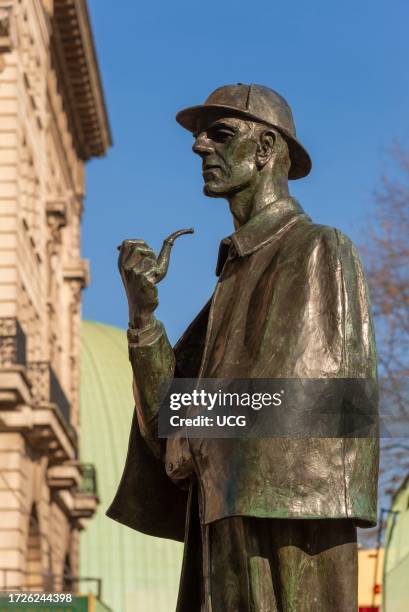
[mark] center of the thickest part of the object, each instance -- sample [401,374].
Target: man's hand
[137,266]
[140,270]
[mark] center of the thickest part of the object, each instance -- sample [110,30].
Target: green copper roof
[138,572]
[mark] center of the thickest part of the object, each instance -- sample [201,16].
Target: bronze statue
[269,524]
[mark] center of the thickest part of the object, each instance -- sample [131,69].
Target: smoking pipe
[162,262]
[164,255]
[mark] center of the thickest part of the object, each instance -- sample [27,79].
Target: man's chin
[211,191]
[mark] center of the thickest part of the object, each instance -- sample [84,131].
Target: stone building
[52,120]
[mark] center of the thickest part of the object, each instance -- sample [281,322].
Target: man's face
[227,147]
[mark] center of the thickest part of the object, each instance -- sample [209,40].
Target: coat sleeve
[145,491]
[153,366]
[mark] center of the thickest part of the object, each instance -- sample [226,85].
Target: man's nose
[202,145]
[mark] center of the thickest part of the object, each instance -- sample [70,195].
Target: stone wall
[41,277]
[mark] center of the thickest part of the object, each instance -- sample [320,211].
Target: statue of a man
[269,524]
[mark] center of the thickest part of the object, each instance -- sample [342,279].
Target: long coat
[291,302]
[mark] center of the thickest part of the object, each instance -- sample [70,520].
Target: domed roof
[138,572]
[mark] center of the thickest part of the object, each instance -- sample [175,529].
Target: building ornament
[12,342]
[56,219]
[5,28]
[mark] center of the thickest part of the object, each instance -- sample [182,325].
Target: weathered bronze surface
[290,302]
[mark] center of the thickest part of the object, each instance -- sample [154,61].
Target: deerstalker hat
[256,103]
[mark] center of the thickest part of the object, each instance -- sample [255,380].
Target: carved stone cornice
[15,390]
[77,274]
[74,505]
[46,429]
[77,497]
[51,434]
[64,476]
[75,60]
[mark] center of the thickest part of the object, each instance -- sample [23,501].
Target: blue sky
[342,66]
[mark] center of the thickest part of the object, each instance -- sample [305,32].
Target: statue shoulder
[328,240]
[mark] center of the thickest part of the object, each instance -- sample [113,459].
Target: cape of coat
[291,302]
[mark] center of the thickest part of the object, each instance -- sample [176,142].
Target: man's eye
[220,135]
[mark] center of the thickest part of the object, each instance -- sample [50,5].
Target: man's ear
[265,147]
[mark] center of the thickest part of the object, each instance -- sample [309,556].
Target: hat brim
[300,160]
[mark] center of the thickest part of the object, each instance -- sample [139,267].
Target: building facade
[52,120]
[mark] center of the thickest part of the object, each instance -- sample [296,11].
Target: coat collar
[260,230]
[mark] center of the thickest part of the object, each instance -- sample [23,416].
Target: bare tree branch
[386,258]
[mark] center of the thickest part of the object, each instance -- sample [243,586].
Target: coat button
[170,466]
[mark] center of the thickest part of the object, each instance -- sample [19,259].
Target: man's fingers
[130,246]
[133,252]
[136,241]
